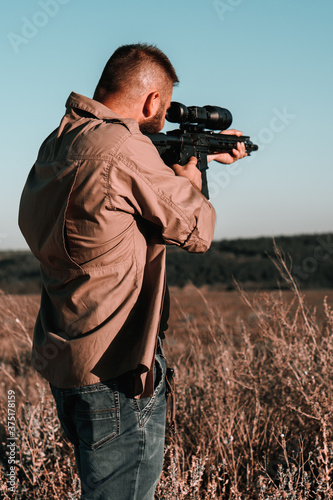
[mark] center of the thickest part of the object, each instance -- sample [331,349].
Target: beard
[154,124]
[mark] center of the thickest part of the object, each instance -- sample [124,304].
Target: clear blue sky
[268,61]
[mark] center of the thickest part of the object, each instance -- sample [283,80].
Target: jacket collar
[96,108]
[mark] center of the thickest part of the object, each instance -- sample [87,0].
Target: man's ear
[151,104]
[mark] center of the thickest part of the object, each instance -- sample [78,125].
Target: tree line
[248,261]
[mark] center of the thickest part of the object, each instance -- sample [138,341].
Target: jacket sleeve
[141,183]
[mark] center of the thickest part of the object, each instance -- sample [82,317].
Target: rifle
[192,138]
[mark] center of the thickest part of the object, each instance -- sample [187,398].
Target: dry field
[254,400]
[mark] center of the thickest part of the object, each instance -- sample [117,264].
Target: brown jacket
[97,209]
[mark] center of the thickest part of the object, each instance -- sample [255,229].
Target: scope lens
[177,113]
[218,118]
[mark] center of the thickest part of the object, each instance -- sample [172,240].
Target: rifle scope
[212,117]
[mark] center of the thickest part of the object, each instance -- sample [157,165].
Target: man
[97,210]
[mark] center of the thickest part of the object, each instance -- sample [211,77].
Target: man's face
[155,124]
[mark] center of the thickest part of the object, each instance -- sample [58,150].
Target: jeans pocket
[145,406]
[97,415]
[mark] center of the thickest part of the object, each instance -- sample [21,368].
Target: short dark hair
[126,60]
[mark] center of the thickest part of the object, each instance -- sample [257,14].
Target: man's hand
[190,171]
[236,154]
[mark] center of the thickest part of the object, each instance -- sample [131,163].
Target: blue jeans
[118,440]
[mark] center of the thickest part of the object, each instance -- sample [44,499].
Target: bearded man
[98,208]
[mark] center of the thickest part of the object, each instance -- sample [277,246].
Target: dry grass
[254,399]
[45,461]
